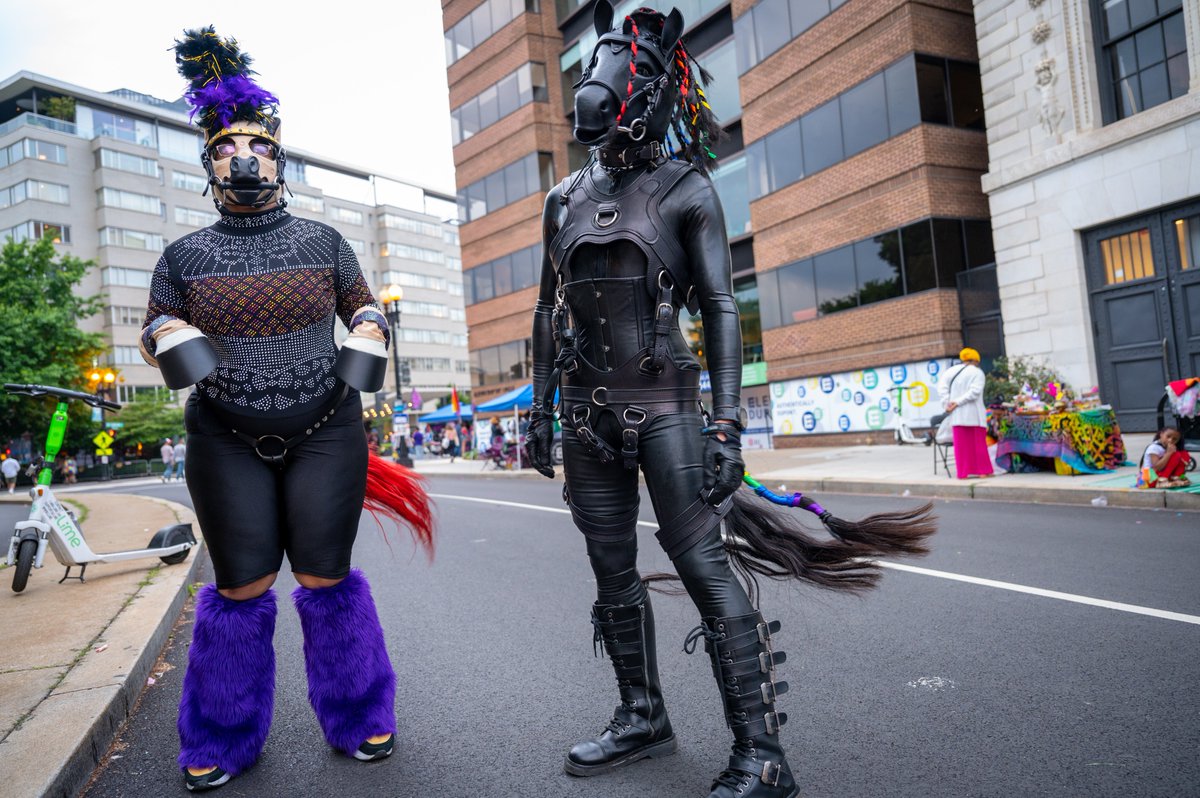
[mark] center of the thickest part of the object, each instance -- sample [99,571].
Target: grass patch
[81,510]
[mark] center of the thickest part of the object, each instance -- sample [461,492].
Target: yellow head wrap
[968,354]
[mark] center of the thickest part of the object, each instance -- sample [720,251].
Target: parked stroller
[1181,400]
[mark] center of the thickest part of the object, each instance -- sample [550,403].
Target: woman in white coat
[961,392]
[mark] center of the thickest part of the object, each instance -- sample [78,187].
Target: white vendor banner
[858,401]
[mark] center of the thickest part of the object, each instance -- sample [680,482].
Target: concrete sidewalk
[74,657]
[890,469]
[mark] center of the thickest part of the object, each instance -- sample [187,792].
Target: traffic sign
[115,424]
[103,443]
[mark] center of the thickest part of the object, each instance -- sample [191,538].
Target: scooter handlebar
[62,393]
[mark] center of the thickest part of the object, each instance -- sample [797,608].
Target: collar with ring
[272,449]
[613,160]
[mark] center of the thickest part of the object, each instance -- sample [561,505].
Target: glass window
[508,96]
[1127,257]
[806,13]
[903,105]
[489,365]
[722,93]
[125,162]
[966,95]
[142,203]
[771,27]
[489,107]
[485,288]
[1143,55]
[821,132]
[346,215]
[917,246]
[545,167]
[931,87]
[758,177]
[785,157]
[980,250]
[745,293]
[743,34]
[481,23]
[768,295]
[179,145]
[797,292]
[541,90]
[730,183]
[194,218]
[469,113]
[1187,236]
[307,203]
[502,275]
[948,251]
[877,266]
[494,189]
[837,287]
[862,124]
[189,182]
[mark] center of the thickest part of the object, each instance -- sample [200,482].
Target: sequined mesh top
[264,288]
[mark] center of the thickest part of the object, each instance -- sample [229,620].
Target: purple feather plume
[228,99]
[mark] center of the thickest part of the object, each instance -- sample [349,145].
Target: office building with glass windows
[115,176]
[1093,116]
[849,177]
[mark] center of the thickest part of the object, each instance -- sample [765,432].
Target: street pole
[391,300]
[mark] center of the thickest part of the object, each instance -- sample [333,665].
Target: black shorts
[252,512]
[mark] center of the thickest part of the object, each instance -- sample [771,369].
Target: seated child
[1164,461]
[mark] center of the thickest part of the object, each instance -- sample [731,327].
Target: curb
[99,694]
[1013,494]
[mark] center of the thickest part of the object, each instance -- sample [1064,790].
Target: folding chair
[945,453]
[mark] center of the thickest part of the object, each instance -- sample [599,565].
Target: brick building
[850,179]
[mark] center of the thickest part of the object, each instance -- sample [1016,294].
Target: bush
[1008,375]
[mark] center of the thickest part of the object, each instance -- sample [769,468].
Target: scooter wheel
[25,554]
[175,537]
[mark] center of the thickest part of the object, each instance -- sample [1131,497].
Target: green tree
[147,421]
[1010,374]
[59,107]
[40,339]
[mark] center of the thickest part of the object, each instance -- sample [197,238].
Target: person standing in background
[961,392]
[10,468]
[168,458]
[180,455]
[450,441]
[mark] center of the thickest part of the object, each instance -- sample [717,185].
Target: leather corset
[631,215]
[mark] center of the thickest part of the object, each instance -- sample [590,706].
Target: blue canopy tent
[445,414]
[514,401]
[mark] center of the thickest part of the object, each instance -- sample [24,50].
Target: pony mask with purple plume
[221,90]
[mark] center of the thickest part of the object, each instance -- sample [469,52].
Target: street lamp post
[392,296]
[102,385]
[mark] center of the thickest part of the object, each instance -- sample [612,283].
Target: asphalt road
[930,686]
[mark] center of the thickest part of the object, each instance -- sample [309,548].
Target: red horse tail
[396,492]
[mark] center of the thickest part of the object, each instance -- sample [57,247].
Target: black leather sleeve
[702,233]
[543,333]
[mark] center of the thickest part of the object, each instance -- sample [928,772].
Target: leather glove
[723,464]
[539,437]
[174,325]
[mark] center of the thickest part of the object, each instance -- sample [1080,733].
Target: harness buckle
[646,366]
[600,401]
[664,311]
[637,410]
[274,458]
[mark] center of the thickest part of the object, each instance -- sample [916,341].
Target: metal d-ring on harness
[272,449]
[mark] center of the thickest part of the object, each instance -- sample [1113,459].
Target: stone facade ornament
[1045,76]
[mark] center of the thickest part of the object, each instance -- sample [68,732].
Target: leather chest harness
[649,384]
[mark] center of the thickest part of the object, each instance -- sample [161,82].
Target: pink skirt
[970,452]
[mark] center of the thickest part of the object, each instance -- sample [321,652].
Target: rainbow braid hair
[694,125]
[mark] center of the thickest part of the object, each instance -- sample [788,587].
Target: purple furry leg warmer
[229,686]
[351,684]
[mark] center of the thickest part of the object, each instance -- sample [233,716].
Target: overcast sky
[362,82]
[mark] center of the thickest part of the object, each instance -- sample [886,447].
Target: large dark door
[1144,279]
[1183,287]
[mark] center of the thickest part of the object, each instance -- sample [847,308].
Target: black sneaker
[209,781]
[369,751]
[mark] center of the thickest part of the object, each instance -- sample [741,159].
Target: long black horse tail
[768,541]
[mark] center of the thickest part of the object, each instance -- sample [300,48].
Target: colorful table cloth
[1088,441]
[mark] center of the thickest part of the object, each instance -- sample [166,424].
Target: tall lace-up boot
[639,727]
[743,663]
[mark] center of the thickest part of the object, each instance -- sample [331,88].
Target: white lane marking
[1037,591]
[974,580]
[503,503]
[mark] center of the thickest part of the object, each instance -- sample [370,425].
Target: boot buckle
[771,721]
[768,691]
[770,773]
[766,662]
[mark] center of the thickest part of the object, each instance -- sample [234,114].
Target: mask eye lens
[225,149]
[644,70]
[263,148]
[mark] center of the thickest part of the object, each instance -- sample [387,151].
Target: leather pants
[671,459]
